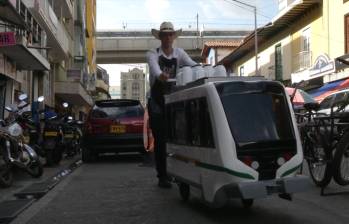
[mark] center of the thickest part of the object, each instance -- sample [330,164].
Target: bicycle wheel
[318,157]
[341,161]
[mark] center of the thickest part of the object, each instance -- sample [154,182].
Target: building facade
[102,85]
[23,54]
[133,84]
[115,92]
[91,44]
[45,53]
[215,51]
[305,41]
[64,23]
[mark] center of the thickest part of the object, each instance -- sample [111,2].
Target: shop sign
[322,66]
[7,39]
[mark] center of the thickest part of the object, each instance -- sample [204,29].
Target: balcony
[26,55]
[10,12]
[57,36]
[63,8]
[284,3]
[302,61]
[69,88]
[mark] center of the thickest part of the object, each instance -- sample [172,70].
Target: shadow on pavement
[119,158]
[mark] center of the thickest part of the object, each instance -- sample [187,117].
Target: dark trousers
[158,126]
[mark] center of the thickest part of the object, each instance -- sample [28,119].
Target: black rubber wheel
[247,203]
[341,161]
[6,176]
[88,155]
[53,156]
[319,158]
[184,191]
[35,169]
[57,155]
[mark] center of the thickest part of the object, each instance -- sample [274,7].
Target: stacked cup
[198,72]
[187,75]
[219,71]
[208,70]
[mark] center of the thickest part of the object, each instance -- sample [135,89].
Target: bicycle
[316,149]
[325,140]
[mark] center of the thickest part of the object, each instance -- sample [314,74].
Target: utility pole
[255,32]
[197,31]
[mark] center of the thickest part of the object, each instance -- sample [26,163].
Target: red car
[113,126]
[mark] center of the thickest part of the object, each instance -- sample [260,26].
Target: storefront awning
[320,93]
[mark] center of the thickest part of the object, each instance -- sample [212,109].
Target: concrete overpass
[119,47]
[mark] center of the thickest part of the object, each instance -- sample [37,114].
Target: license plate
[51,133]
[69,136]
[117,129]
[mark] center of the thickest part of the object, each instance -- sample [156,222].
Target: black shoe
[164,184]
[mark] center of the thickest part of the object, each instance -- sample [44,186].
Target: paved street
[23,180]
[117,190]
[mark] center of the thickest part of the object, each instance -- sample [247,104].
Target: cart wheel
[247,203]
[184,191]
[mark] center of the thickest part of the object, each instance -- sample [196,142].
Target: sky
[211,15]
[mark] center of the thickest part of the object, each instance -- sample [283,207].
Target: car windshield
[256,112]
[326,103]
[117,112]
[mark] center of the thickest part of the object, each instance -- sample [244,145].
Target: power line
[247,9]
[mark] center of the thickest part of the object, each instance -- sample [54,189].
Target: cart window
[189,123]
[256,112]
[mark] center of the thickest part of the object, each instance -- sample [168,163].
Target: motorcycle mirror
[53,117]
[41,99]
[65,104]
[9,109]
[22,97]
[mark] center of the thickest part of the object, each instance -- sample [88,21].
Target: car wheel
[88,155]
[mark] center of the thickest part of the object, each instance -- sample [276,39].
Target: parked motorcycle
[6,176]
[14,152]
[32,128]
[52,138]
[72,133]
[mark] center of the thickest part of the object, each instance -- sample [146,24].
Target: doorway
[2,95]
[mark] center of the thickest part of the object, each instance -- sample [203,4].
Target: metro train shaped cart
[233,137]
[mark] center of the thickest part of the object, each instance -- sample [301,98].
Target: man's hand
[164,76]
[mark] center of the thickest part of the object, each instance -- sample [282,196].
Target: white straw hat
[165,27]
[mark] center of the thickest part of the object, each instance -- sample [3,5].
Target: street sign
[7,39]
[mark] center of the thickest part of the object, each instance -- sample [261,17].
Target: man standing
[163,62]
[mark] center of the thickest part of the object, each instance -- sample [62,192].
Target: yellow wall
[290,41]
[91,39]
[326,23]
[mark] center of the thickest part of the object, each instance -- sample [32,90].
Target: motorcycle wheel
[6,175]
[35,169]
[53,156]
